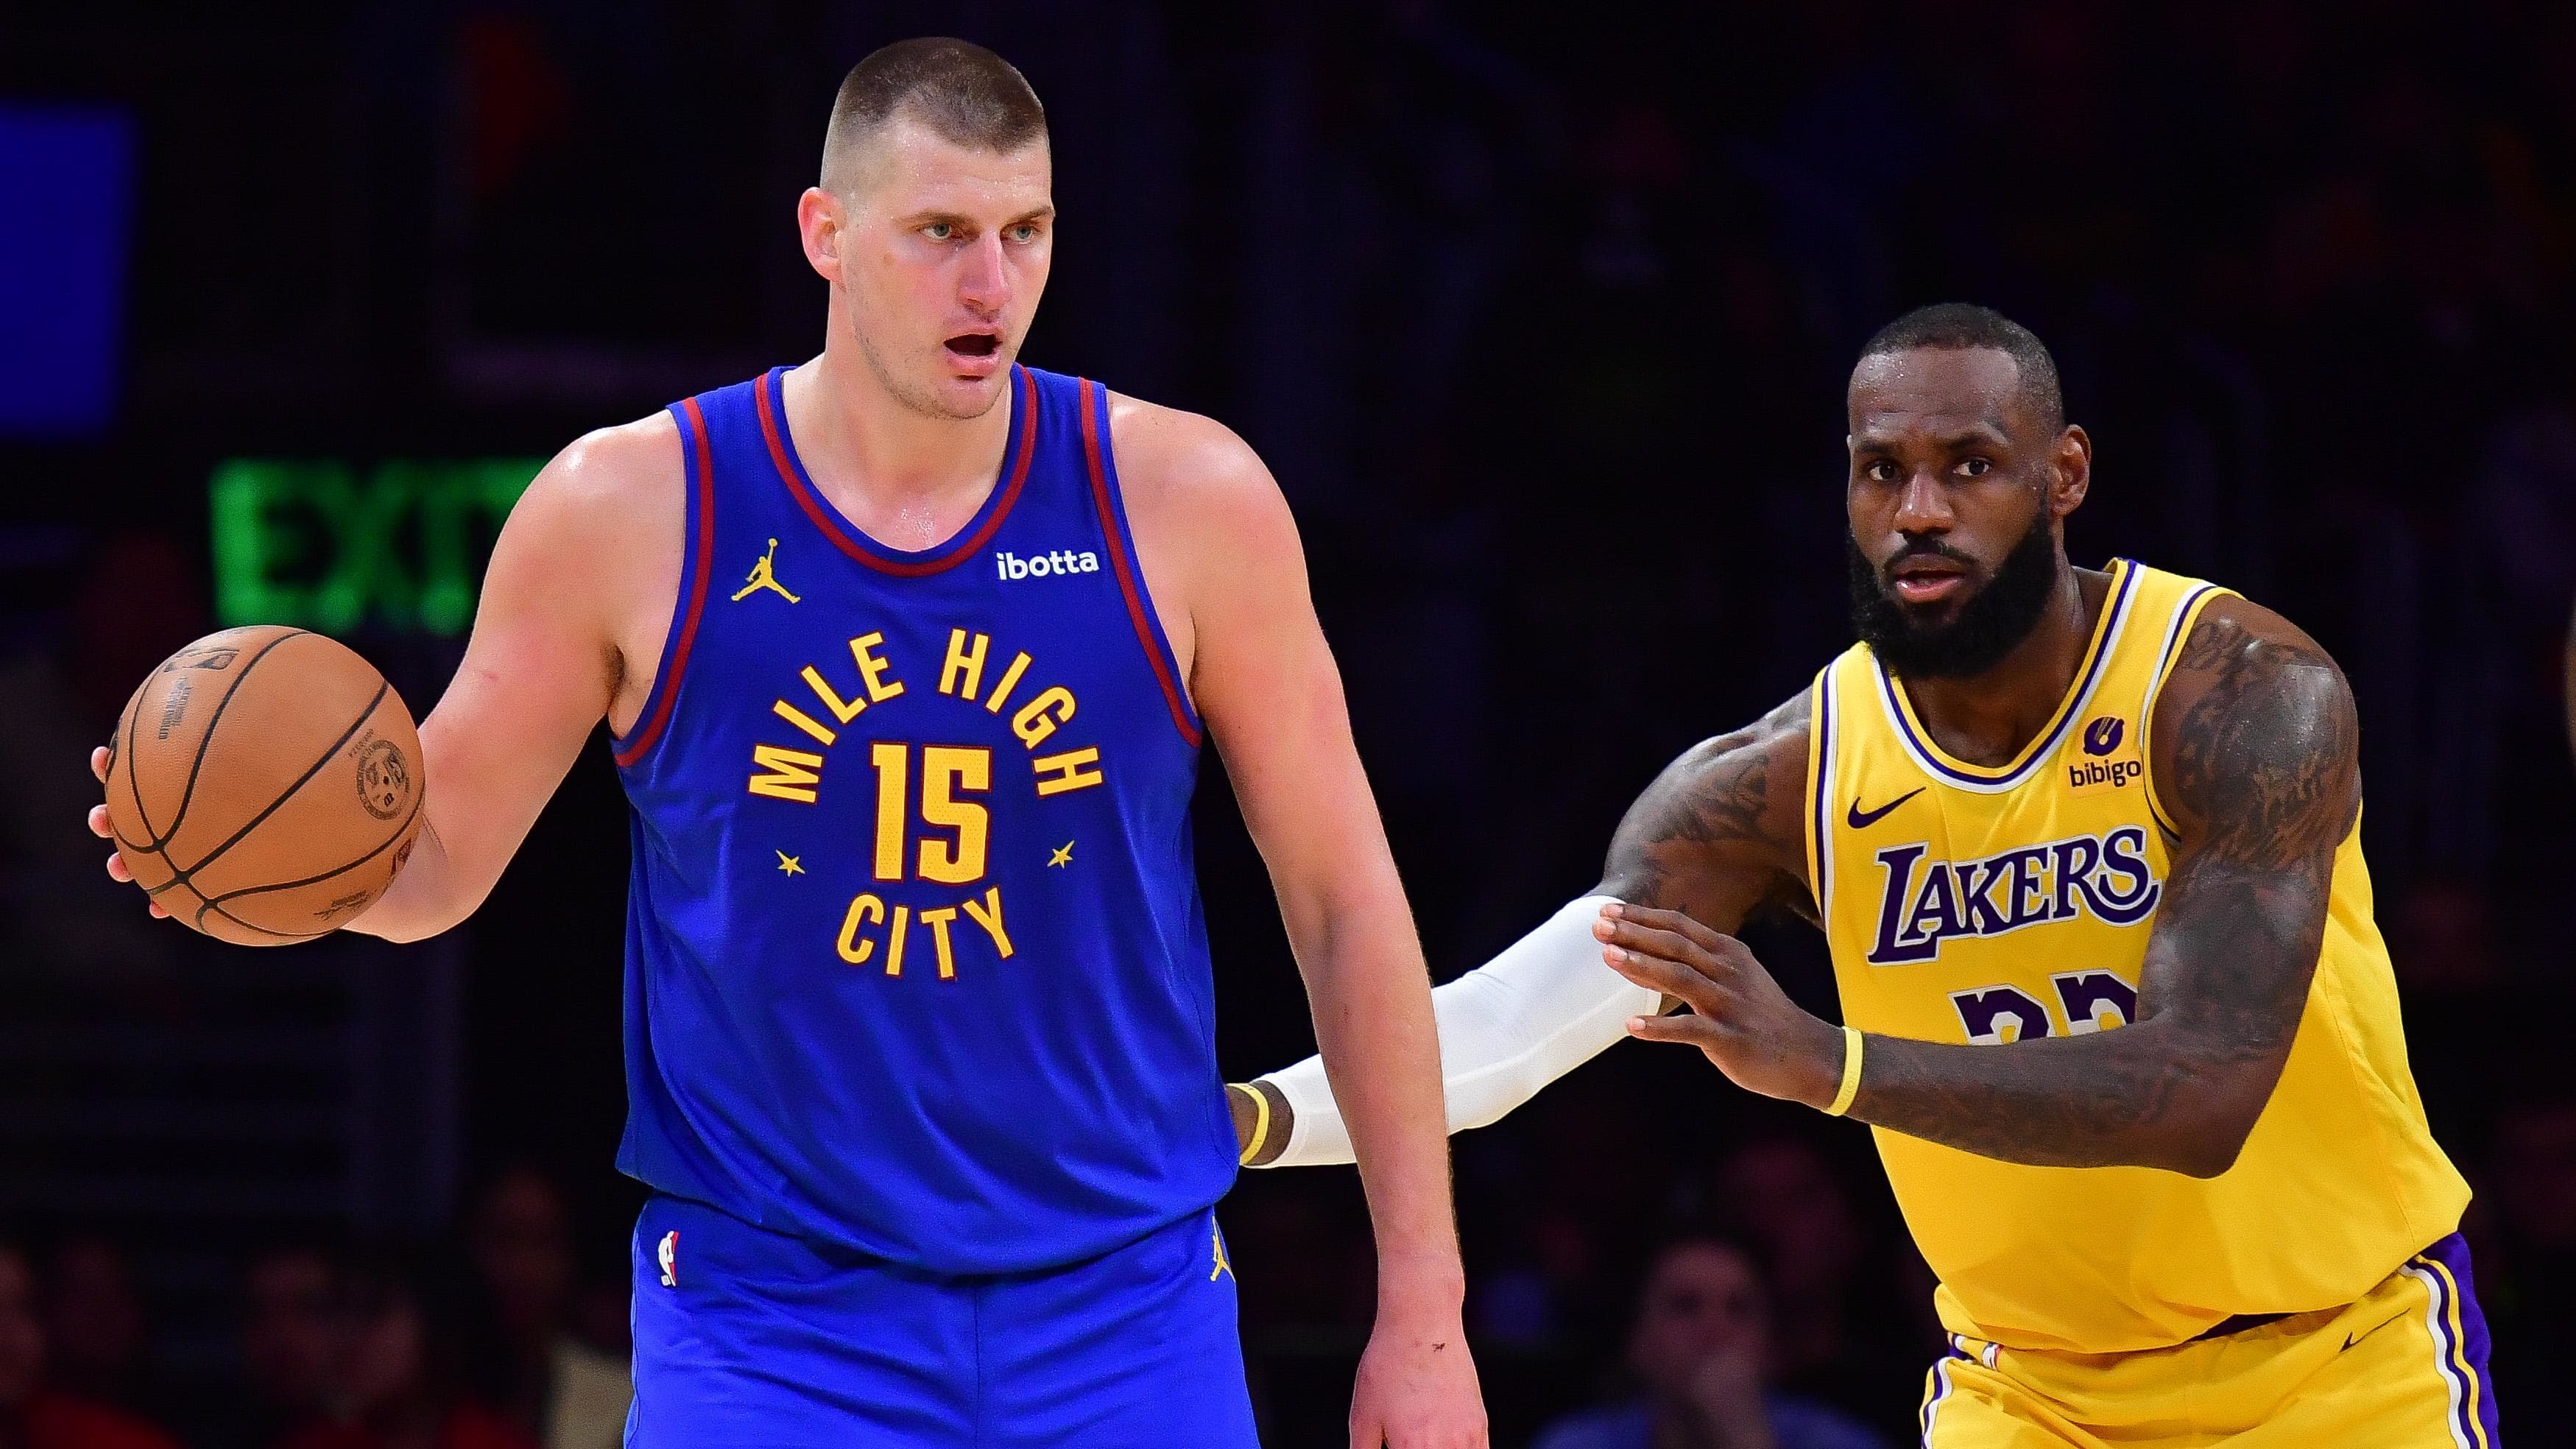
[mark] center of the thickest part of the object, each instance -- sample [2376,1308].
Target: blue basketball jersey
[914,956]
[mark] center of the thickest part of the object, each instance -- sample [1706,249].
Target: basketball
[264,785]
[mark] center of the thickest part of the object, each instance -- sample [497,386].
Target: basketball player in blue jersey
[908,653]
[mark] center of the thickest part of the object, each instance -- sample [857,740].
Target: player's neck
[1987,719]
[907,478]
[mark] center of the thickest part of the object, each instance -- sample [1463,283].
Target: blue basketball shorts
[747,1339]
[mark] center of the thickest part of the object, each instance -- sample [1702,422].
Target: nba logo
[669,1253]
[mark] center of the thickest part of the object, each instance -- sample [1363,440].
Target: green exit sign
[311,542]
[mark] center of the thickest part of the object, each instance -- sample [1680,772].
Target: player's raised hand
[1417,1387]
[98,826]
[1739,1016]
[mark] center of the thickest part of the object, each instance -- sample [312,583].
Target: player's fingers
[1687,1028]
[1670,945]
[116,868]
[1678,922]
[98,825]
[98,763]
[1659,975]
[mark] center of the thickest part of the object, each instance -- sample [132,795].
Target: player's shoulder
[2234,629]
[614,486]
[1778,740]
[1748,783]
[2253,704]
[622,464]
[1186,469]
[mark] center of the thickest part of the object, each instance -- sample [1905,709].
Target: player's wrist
[1826,1055]
[1425,1290]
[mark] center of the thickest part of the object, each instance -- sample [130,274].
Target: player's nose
[1924,506]
[983,282]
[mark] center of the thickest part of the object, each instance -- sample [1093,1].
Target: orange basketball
[264,785]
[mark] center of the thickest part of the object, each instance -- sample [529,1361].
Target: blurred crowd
[1544,327]
[486,1343]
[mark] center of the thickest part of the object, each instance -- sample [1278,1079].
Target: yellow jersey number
[947,771]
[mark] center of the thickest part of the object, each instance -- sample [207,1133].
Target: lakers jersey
[1991,905]
[915,960]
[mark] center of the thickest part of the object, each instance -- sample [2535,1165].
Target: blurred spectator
[290,1342]
[1839,1333]
[396,1384]
[1701,1349]
[33,1415]
[94,1323]
[549,1383]
[2535,1182]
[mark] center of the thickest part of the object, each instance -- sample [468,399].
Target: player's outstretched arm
[1720,832]
[2255,748]
[591,547]
[1217,536]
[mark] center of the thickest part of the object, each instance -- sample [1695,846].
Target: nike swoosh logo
[1860,819]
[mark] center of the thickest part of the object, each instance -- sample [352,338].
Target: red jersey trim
[1165,668]
[666,690]
[791,472]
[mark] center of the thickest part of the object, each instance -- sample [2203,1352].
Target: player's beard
[1985,628]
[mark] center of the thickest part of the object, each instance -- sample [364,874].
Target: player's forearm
[2142,1096]
[1371,998]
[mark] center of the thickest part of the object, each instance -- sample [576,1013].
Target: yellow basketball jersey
[1979,904]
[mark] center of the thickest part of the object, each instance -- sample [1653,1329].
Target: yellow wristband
[1851,1073]
[1260,1121]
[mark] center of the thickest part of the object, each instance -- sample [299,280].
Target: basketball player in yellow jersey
[2085,846]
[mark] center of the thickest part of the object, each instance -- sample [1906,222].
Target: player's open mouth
[1927,580]
[975,344]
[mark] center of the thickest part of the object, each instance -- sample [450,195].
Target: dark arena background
[1541,316]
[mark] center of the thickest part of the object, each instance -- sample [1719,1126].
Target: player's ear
[2070,471]
[818,223]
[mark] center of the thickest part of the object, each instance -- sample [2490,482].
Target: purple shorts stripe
[1937,1390]
[2460,1328]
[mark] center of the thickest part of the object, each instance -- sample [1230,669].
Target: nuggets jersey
[1990,905]
[915,960]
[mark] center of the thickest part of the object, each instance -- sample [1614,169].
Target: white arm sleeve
[1543,1007]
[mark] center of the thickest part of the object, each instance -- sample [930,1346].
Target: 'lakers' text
[932,825]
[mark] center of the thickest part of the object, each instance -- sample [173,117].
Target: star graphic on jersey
[1063,856]
[789,864]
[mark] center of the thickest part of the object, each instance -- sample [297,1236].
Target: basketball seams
[383,688]
[207,905]
[206,738]
[401,832]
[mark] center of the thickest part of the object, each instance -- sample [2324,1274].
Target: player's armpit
[582,577]
[2256,751]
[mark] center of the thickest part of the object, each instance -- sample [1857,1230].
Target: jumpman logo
[764,576]
[1217,1236]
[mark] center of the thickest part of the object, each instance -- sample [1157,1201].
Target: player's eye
[1881,471]
[1024,232]
[1974,467]
[939,231]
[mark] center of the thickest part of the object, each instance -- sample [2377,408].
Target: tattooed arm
[1718,833]
[1722,831]
[2255,746]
